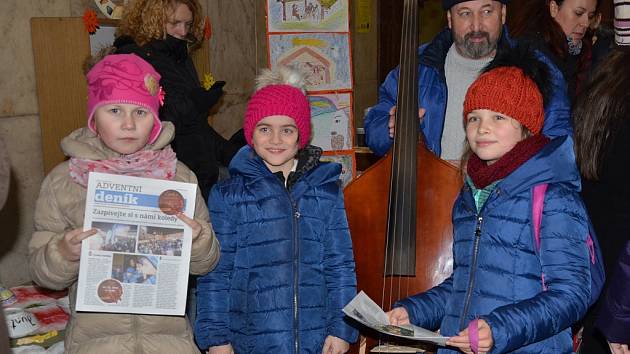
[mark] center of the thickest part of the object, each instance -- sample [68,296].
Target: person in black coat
[614,319]
[164,32]
[602,142]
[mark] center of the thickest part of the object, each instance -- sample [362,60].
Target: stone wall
[19,127]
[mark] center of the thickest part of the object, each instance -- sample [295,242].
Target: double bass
[402,230]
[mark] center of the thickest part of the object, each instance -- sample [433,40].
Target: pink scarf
[160,164]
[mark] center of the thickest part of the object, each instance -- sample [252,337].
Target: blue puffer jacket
[286,268]
[433,93]
[497,272]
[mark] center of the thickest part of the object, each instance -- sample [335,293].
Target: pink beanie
[125,78]
[279,100]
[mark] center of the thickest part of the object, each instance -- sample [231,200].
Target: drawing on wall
[307,16]
[347,165]
[110,9]
[324,58]
[332,121]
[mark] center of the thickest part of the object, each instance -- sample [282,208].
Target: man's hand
[334,345]
[70,244]
[398,316]
[392,119]
[462,340]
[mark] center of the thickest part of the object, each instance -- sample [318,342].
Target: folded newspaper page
[138,260]
[367,312]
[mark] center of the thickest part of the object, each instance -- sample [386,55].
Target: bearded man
[447,66]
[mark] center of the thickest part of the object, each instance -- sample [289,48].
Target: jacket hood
[84,144]
[555,163]
[251,166]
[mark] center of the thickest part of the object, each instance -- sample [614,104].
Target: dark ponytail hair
[534,22]
[600,111]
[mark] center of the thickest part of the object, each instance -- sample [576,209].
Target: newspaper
[367,312]
[138,260]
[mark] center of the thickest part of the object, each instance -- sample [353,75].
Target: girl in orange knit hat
[505,294]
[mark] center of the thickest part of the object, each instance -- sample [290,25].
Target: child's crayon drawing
[324,58]
[331,121]
[307,16]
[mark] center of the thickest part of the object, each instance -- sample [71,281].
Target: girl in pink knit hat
[286,268]
[123,136]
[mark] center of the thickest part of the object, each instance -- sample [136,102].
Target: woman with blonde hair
[164,33]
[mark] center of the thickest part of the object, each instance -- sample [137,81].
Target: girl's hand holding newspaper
[194,225]
[398,316]
[70,244]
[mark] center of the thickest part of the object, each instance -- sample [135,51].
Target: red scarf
[483,174]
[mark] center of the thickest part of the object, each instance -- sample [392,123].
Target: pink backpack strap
[473,335]
[538,201]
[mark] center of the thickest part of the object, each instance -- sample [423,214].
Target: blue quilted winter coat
[286,267]
[497,272]
[432,95]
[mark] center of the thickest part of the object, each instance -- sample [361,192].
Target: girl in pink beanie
[123,136]
[286,268]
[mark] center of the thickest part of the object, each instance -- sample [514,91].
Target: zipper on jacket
[296,260]
[473,268]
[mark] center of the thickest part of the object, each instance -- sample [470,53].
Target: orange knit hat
[509,91]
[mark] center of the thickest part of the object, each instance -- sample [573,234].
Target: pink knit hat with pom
[279,100]
[125,78]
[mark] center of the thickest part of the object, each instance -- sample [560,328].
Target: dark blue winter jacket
[433,94]
[497,271]
[286,268]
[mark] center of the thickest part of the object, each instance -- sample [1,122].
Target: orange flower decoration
[207,29]
[90,21]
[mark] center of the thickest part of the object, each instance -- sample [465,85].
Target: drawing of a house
[318,69]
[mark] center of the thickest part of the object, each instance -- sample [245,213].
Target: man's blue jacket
[432,95]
